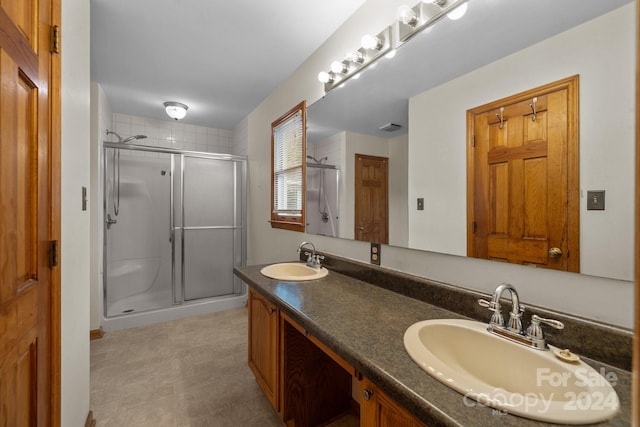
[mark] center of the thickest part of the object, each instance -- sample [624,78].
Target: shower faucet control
[110,221]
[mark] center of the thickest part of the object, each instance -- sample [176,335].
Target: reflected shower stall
[174,228]
[322,195]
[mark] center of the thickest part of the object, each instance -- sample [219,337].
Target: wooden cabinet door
[379,410]
[263,345]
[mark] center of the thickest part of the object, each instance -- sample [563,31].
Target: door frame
[571,84]
[55,191]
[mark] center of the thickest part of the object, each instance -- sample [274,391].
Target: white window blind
[287,166]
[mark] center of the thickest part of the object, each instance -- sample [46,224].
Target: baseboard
[90,421]
[95,334]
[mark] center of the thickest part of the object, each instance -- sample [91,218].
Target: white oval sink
[293,271]
[492,371]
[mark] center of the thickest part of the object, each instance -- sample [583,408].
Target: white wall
[603,299]
[75,239]
[399,203]
[599,51]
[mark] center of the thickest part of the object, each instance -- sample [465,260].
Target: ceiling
[221,58]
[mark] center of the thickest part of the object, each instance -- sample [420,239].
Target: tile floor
[188,372]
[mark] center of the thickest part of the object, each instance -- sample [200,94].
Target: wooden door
[523,189]
[29,216]
[371,198]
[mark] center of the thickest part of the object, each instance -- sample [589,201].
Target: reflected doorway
[522,190]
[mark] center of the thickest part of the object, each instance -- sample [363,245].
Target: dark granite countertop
[365,325]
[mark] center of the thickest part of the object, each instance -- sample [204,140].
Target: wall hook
[533,108]
[501,117]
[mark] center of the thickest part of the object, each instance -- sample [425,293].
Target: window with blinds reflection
[288,145]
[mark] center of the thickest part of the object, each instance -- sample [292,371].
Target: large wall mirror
[411,110]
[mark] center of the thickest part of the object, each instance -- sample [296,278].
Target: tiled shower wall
[168,134]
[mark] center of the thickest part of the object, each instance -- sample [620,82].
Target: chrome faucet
[512,330]
[313,259]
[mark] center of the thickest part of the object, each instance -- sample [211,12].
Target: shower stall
[322,195]
[174,228]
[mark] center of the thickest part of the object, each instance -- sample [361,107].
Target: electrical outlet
[375,253]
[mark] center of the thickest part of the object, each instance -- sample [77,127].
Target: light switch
[420,204]
[595,200]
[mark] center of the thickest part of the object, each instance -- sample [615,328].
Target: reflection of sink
[492,371]
[294,271]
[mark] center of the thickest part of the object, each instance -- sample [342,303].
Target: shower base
[151,307]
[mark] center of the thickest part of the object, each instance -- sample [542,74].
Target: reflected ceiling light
[176,110]
[422,16]
[339,67]
[325,77]
[458,12]
[391,54]
[355,56]
[370,42]
[407,16]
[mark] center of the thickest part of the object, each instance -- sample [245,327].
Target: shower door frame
[242,228]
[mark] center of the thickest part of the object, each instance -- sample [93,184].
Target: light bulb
[370,42]
[355,56]
[458,12]
[324,77]
[339,67]
[406,15]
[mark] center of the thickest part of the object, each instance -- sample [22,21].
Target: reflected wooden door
[371,198]
[524,178]
[25,215]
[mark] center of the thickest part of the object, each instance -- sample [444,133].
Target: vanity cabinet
[379,410]
[307,383]
[263,345]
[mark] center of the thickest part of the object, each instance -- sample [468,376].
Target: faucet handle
[551,322]
[535,331]
[486,304]
[496,317]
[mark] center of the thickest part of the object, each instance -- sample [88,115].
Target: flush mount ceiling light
[176,110]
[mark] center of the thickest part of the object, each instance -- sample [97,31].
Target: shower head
[125,140]
[316,160]
[131,138]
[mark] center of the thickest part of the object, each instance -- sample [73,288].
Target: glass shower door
[208,238]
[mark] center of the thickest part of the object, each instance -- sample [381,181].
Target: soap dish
[566,355]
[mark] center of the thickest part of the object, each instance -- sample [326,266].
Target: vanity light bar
[358,60]
[422,16]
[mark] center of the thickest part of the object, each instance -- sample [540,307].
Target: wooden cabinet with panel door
[379,410]
[264,345]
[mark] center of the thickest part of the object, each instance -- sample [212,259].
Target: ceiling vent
[389,127]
